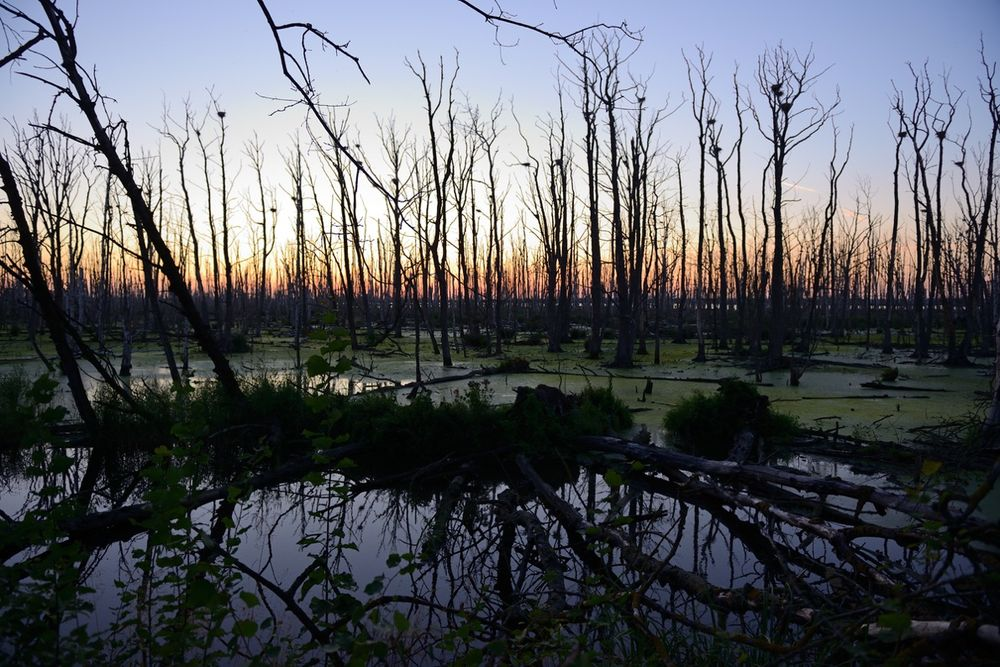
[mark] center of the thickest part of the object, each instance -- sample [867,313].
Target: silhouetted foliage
[707,424]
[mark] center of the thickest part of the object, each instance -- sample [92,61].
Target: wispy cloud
[796,186]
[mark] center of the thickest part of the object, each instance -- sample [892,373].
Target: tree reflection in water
[623,558]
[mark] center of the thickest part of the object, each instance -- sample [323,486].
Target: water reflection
[619,560]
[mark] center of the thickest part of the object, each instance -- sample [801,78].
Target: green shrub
[239,343]
[512,365]
[25,409]
[476,339]
[707,424]
[601,412]
[400,437]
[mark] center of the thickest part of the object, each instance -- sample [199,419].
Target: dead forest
[540,529]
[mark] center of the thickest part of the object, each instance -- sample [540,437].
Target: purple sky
[148,54]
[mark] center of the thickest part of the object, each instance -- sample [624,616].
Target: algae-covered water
[442,556]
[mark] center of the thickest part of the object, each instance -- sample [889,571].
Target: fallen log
[962,628]
[825,486]
[875,384]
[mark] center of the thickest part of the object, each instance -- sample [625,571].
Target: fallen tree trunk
[963,628]
[660,457]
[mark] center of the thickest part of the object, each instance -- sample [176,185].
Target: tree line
[598,230]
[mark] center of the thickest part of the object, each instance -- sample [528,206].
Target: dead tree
[979,212]
[181,144]
[785,79]
[442,172]
[397,150]
[548,201]
[255,152]
[590,78]
[227,325]
[741,276]
[835,171]
[679,337]
[704,108]
[890,289]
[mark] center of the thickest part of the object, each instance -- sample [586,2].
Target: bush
[476,340]
[239,343]
[401,437]
[512,365]
[601,413]
[707,425]
[25,409]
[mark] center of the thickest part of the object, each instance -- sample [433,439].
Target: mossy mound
[707,424]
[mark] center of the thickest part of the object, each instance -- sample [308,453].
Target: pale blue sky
[150,53]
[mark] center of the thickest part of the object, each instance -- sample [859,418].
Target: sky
[151,56]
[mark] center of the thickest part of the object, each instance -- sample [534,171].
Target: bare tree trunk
[593,194]
[784,78]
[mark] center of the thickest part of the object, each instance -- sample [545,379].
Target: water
[459,566]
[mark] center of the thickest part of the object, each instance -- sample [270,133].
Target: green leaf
[401,622]
[43,389]
[375,586]
[200,592]
[897,621]
[322,441]
[249,599]
[315,478]
[613,478]
[61,463]
[245,628]
[317,365]
[930,467]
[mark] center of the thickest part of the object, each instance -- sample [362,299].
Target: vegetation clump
[273,411]
[511,365]
[890,374]
[707,424]
[24,405]
[477,340]
[239,343]
[542,422]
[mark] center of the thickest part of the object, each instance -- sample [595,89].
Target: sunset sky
[148,55]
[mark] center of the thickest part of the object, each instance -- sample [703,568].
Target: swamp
[601,385]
